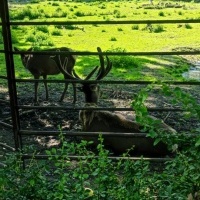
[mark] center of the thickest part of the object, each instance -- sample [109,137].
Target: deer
[110,122]
[44,64]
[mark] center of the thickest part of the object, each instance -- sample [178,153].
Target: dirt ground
[49,120]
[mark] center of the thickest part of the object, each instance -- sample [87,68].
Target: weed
[135,27]
[79,14]
[14,38]
[56,32]
[44,29]
[124,62]
[55,4]
[113,39]
[96,176]
[158,28]
[180,13]
[161,13]
[119,29]
[188,26]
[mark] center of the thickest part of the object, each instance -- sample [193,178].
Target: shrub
[123,61]
[180,12]
[96,176]
[26,12]
[135,27]
[56,32]
[113,39]
[161,13]
[39,39]
[79,14]
[188,26]
[158,28]
[119,29]
[55,4]
[14,38]
[44,29]
[31,38]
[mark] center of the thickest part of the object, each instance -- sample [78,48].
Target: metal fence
[18,133]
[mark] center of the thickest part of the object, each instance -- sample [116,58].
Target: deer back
[44,64]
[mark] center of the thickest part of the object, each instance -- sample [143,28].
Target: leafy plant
[188,26]
[135,27]
[123,61]
[56,32]
[43,29]
[113,39]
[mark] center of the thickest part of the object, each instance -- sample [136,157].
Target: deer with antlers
[105,121]
[44,64]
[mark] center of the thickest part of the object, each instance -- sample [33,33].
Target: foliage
[123,61]
[43,29]
[97,177]
[73,171]
[39,39]
[56,32]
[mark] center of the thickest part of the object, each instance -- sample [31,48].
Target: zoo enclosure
[19,133]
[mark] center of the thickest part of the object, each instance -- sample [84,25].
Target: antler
[103,71]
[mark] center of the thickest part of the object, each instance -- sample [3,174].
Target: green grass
[132,37]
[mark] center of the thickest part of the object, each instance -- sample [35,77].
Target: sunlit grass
[139,39]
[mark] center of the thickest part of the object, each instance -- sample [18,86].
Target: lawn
[131,37]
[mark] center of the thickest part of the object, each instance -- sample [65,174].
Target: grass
[132,37]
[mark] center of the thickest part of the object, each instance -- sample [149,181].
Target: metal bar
[4,101]
[3,77]
[39,157]
[6,125]
[82,133]
[10,71]
[111,82]
[124,22]
[111,53]
[95,108]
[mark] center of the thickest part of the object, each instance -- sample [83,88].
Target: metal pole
[4,13]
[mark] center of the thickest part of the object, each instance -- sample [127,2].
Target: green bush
[56,32]
[55,4]
[31,38]
[14,38]
[135,27]
[123,61]
[158,28]
[188,26]
[79,14]
[26,12]
[113,39]
[44,29]
[39,39]
[161,13]
[96,176]
[119,29]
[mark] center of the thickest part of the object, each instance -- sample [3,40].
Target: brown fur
[107,122]
[44,64]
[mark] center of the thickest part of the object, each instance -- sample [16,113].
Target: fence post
[7,39]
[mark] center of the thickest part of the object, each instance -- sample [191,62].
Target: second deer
[44,64]
[109,122]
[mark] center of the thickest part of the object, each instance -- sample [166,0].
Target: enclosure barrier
[8,52]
